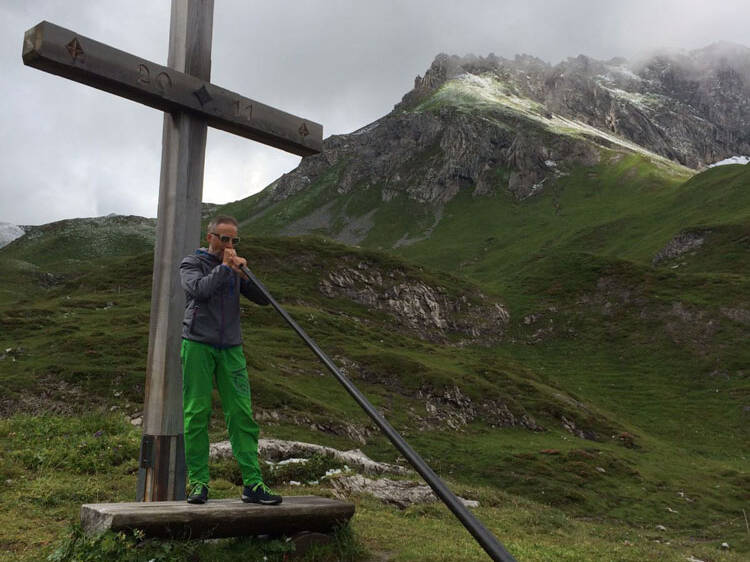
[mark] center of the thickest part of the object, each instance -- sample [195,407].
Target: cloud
[69,150]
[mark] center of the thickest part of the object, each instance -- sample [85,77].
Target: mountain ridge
[710,84]
[495,126]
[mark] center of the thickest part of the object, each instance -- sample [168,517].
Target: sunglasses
[225,239]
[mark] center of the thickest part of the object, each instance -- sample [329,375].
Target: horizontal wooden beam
[218,518]
[66,53]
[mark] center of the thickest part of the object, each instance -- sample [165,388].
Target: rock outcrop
[276,450]
[430,156]
[451,408]
[401,493]
[432,312]
[679,245]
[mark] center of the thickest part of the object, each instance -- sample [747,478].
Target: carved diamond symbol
[303,130]
[203,96]
[74,48]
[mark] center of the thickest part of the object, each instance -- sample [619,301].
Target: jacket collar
[203,253]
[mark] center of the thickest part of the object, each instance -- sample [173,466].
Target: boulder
[401,493]
[278,450]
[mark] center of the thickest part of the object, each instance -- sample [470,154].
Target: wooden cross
[183,91]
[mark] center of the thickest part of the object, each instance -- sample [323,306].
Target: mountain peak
[480,126]
[669,103]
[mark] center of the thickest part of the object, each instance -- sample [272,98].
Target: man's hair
[222,219]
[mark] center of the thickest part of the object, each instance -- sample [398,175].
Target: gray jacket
[212,300]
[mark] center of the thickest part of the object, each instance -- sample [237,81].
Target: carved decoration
[74,48]
[163,82]
[144,75]
[244,110]
[203,96]
[303,130]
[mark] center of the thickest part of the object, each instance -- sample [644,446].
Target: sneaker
[259,493]
[198,494]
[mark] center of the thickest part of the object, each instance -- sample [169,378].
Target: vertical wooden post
[161,474]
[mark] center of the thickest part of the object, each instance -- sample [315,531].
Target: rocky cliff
[691,107]
[430,312]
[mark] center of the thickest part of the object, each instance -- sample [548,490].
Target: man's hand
[231,259]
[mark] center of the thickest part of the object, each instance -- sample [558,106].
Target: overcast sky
[68,150]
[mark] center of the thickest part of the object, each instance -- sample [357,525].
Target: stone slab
[218,518]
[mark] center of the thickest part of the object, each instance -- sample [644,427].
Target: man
[212,351]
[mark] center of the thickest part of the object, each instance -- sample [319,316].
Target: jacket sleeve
[199,285]
[251,291]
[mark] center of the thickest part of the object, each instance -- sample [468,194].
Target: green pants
[201,365]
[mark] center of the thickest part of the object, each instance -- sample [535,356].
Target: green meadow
[636,372]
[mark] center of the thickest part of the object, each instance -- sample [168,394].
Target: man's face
[227,231]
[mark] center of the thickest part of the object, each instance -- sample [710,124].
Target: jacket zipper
[192,320]
[221,327]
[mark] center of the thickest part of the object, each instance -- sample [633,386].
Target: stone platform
[218,518]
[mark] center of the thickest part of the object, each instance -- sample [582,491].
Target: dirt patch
[51,396]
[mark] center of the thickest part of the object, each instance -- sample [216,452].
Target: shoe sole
[262,502]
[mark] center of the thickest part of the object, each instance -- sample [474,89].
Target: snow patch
[622,71]
[9,232]
[642,101]
[488,89]
[733,160]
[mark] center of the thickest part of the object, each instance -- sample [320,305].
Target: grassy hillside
[658,343]
[623,208]
[608,418]
[629,419]
[75,243]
